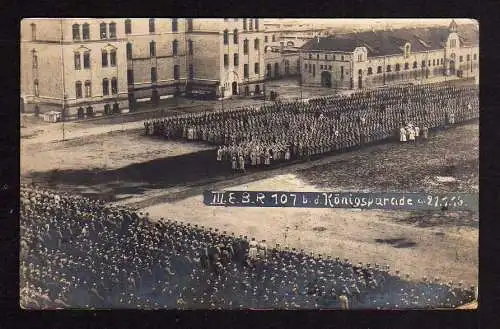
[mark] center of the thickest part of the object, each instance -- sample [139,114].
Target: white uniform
[417,131]
[411,134]
[402,135]
[219,155]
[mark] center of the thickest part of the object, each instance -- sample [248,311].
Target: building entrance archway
[326,79]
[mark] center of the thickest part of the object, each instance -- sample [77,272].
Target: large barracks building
[378,58]
[89,66]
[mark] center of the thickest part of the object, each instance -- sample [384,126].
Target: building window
[104,58]
[175,47]
[191,71]
[190,24]
[152,49]
[453,43]
[342,58]
[379,69]
[35,87]
[151,25]
[257,68]
[78,65]
[475,56]
[88,89]
[105,87]
[128,26]
[107,109]
[103,31]
[112,57]
[305,66]
[85,31]
[314,70]
[114,86]
[244,24]
[130,77]
[317,56]
[33,31]
[397,67]
[423,63]
[226,37]
[174,24]
[310,68]
[360,72]
[153,74]
[321,67]
[177,73]
[388,68]
[76,32]
[86,60]
[274,38]
[415,65]
[129,50]
[236,60]
[35,60]
[429,63]
[407,66]
[461,59]
[370,72]
[256,24]
[468,58]
[250,24]
[360,57]
[78,89]
[256,44]
[112,30]
[116,108]
[342,72]
[245,70]
[190,47]
[226,60]
[266,39]
[433,62]
[235,36]
[330,67]
[245,47]
[326,57]
[333,57]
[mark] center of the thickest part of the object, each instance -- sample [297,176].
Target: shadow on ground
[398,242]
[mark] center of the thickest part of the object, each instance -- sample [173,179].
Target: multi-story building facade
[87,66]
[378,58]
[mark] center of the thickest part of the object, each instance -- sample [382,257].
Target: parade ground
[167,178]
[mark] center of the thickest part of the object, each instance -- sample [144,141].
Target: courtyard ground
[166,179]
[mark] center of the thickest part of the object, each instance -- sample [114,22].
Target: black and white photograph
[249,164]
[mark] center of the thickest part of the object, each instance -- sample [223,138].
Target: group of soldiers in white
[295,130]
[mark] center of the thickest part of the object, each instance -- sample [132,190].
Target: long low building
[378,58]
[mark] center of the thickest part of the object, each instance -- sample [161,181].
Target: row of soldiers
[78,252]
[294,130]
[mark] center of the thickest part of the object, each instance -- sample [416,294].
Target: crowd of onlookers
[300,129]
[77,252]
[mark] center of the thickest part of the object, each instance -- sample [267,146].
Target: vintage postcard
[246,163]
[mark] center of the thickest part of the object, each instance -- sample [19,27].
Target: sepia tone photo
[249,163]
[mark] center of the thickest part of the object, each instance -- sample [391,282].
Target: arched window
[129,50]
[415,65]
[105,87]
[226,37]
[35,87]
[407,66]
[190,47]
[370,72]
[112,30]
[175,46]
[103,31]
[190,25]
[360,72]
[461,59]
[250,24]
[85,31]
[153,74]
[152,49]
[244,24]
[274,38]
[388,68]
[86,60]
[236,61]
[104,57]
[128,26]
[76,32]
[114,86]
[174,24]
[88,89]
[235,36]
[256,44]
[78,89]
[397,67]
[256,24]
[112,57]
[151,25]
[379,69]
[33,31]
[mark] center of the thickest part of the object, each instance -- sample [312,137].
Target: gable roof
[383,43]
